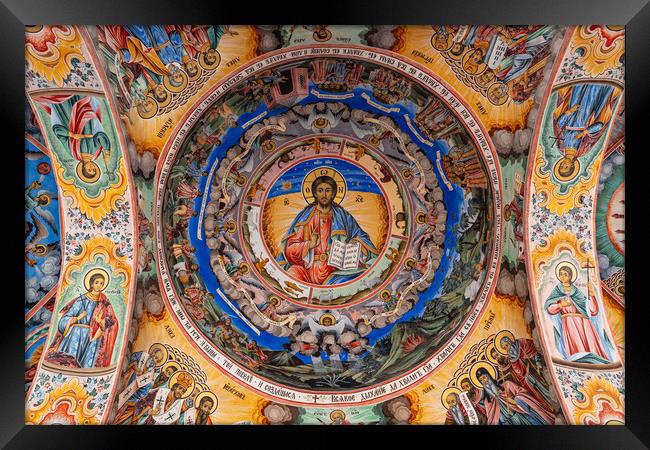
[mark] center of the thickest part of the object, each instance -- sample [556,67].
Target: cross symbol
[315,397]
[169,416]
[159,401]
[588,266]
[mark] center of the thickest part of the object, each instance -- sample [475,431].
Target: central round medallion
[328,223]
[325,221]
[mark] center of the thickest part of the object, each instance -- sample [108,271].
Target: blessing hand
[314,241]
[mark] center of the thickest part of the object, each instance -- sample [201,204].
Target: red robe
[105,310]
[297,248]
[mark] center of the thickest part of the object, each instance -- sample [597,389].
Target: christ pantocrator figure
[306,246]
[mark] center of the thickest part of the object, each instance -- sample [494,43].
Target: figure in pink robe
[576,336]
[509,404]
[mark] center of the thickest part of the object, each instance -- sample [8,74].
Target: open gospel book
[344,256]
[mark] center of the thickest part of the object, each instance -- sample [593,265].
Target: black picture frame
[635,14]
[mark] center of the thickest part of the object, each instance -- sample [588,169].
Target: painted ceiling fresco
[324,225]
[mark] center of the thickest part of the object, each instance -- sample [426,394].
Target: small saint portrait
[88,327]
[486,78]
[497,93]
[158,354]
[191,67]
[567,167]
[442,39]
[456,51]
[210,59]
[338,417]
[161,95]
[322,34]
[473,61]
[176,81]
[578,335]
[147,107]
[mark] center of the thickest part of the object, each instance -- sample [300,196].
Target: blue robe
[583,118]
[168,47]
[77,340]
[345,229]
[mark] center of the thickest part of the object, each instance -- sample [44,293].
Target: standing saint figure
[525,363]
[455,413]
[509,404]
[475,396]
[571,312]
[580,119]
[307,244]
[77,123]
[88,327]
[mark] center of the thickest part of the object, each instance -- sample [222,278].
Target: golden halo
[497,340]
[322,318]
[95,271]
[161,102]
[318,38]
[269,145]
[197,75]
[455,54]
[244,268]
[162,348]
[491,94]
[409,263]
[184,378]
[46,198]
[274,300]
[147,108]
[460,380]
[171,364]
[337,414]
[480,68]
[39,249]
[445,394]
[385,292]
[420,217]
[341,186]
[321,123]
[373,140]
[407,173]
[175,88]
[485,78]
[571,176]
[481,364]
[571,266]
[230,226]
[86,178]
[207,65]
[488,353]
[209,394]
[447,42]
